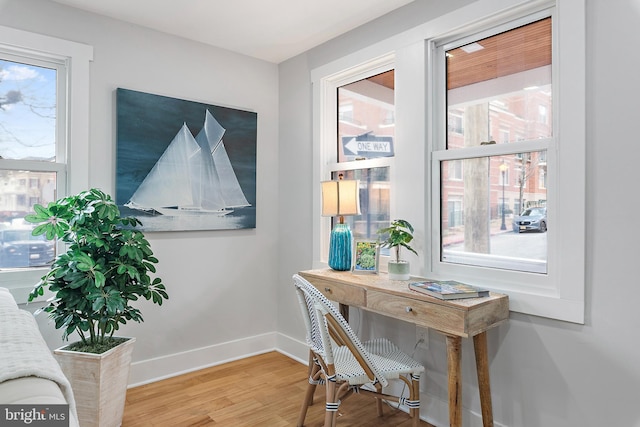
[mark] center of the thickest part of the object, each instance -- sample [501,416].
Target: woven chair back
[326,327]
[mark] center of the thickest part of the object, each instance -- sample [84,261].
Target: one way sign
[368,146]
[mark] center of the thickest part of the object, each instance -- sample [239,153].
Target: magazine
[448,289]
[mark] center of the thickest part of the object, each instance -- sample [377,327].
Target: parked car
[531,219]
[18,248]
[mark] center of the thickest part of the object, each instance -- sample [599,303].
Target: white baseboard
[159,368]
[434,409]
[295,349]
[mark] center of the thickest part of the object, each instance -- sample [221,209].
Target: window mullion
[31,165]
[361,164]
[494,150]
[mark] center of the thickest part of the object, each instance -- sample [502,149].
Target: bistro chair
[343,364]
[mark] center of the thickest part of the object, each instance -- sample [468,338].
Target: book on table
[448,289]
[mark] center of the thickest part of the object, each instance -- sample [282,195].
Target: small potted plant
[106,266]
[400,234]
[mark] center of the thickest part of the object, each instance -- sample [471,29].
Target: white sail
[193,176]
[230,188]
[211,133]
[166,182]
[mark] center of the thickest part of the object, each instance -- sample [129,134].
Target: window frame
[473,264]
[72,147]
[560,293]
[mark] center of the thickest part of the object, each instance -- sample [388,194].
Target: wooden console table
[456,319]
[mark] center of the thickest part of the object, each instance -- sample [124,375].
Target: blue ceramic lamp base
[340,248]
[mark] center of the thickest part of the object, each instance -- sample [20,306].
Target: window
[454,121]
[369,134]
[37,119]
[456,128]
[455,170]
[504,136]
[542,180]
[31,101]
[512,95]
[495,86]
[358,142]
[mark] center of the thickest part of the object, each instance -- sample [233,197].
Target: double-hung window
[32,155]
[503,185]
[358,140]
[496,85]
[37,126]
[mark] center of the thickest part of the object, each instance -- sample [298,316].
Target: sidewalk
[456,235]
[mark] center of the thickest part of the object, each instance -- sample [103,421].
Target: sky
[27,111]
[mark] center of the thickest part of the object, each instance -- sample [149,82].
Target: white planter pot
[399,270]
[99,383]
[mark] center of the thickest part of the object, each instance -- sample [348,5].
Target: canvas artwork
[185,165]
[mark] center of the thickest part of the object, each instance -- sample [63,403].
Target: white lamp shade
[340,198]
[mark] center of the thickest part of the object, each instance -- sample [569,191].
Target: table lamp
[340,198]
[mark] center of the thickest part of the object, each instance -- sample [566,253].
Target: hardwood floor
[264,390]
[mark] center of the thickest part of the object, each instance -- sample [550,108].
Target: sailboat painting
[184,165]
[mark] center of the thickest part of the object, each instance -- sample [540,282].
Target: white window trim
[76,57]
[559,294]
[562,297]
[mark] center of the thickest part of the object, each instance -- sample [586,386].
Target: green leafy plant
[105,267]
[400,234]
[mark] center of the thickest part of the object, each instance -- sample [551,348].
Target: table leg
[484,386]
[454,357]
[344,310]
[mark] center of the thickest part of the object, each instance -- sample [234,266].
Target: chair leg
[379,401]
[331,408]
[311,388]
[314,369]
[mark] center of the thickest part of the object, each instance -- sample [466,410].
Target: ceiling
[273,30]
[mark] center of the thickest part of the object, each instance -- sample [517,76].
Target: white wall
[221,283]
[544,372]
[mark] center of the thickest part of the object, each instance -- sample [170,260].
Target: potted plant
[105,267]
[400,234]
